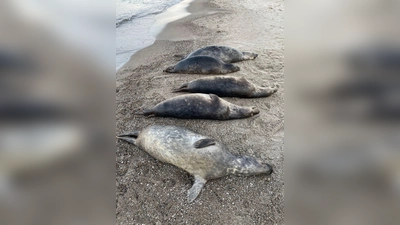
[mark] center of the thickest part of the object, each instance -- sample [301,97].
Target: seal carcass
[226,54]
[202,65]
[201,156]
[227,86]
[200,106]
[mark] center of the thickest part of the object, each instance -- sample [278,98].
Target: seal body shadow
[226,54]
[200,106]
[227,86]
[202,65]
[201,156]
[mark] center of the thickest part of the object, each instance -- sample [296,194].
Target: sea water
[134,20]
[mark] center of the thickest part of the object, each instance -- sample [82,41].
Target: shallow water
[139,21]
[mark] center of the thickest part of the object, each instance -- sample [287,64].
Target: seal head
[247,165]
[249,55]
[237,112]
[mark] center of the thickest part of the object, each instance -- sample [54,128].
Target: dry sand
[151,192]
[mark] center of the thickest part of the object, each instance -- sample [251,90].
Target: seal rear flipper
[195,190]
[129,137]
[170,69]
[202,143]
[180,57]
[183,87]
[148,113]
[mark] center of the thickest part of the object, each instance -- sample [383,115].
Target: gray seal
[227,86]
[201,156]
[202,65]
[226,54]
[200,106]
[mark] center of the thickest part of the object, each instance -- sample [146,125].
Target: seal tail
[180,57]
[146,112]
[170,69]
[129,137]
[183,87]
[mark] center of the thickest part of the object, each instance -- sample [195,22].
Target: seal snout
[249,55]
[254,110]
[252,55]
[250,166]
[269,168]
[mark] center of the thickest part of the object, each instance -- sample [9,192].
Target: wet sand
[151,192]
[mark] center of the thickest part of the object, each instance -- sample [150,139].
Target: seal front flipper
[129,137]
[202,143]
[195,190]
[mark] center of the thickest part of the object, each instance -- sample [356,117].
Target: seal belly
[176,146]
[170,144]
[190,107]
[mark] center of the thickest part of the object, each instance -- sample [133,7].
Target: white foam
[131,37]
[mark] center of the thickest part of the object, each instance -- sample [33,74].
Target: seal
[201,156]
[202,65]
[226,54]
[200,106]
[227,86]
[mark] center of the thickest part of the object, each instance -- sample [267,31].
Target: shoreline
[149,191]
[173,13]
[195,8]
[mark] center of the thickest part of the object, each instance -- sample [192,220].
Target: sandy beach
[151,192]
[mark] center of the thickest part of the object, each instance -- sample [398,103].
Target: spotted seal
[226,54]
[201,156]
[227,86]
[202,65]
[200,106]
